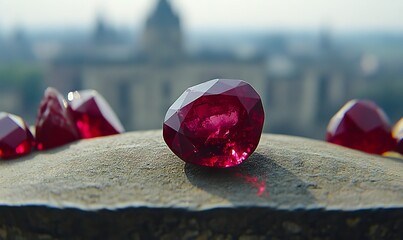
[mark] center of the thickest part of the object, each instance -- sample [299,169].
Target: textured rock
[133,186]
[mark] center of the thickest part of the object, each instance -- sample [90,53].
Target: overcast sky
[341,15]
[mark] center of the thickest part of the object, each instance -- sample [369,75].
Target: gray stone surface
[296,186]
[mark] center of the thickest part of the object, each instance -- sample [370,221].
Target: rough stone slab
[137,169]
[132,186]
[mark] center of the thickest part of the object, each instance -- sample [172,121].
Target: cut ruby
[216,124]
[398,135]
[93,115]
[15,138]
[361,125]
[55,125]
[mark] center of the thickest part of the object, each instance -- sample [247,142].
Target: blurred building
[17,48]
[305,90]
[301,89]
[141,85]
[303,78]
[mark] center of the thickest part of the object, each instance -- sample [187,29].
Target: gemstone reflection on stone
[15,138]
[361,125]
[216,124]
[93,115]
[55,124]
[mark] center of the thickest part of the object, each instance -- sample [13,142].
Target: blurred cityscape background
[305,58]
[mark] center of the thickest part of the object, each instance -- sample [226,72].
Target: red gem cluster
[86,115]
[362,125]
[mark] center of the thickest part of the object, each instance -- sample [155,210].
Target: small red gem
[93,115]
[398,135]
[216,124]
[361,125]
[15,138]
[54,125]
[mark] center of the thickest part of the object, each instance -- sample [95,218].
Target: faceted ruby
[361,125]
[398,135]
[55,124]
[15,138]
[93,115]
[216,124]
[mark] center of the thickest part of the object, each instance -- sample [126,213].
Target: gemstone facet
[15,138]
[55,124]
[361,125]
[93,115]
[216,124]
[398,135]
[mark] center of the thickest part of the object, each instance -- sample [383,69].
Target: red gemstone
[93,115]
[398,135]
[216,124]
[361,125]
[15,138]
[55,125]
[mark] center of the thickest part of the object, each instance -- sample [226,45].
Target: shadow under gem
[259,180]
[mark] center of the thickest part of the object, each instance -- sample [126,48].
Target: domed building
[141,85]
[162,37]
[141,79]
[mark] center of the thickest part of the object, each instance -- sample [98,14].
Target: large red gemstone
[398,135]
[93,115]
[361,125]
[54,125]
[15,138]
[217,123]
